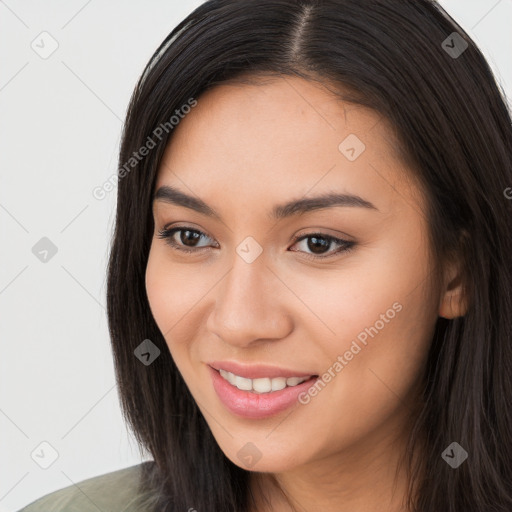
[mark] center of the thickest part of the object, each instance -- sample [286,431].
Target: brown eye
[188,237]
[319,244]
[187,240]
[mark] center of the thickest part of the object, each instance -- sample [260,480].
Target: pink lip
[257,371]
[253,405]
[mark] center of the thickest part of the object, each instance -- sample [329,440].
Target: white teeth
[279,383]
[293,381]
[243,383]
[262,385]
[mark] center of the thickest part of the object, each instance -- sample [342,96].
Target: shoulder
[117,491]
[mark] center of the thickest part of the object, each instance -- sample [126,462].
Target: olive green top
[112,492]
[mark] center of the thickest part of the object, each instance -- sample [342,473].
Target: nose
[250,305]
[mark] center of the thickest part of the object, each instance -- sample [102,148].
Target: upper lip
[257,371]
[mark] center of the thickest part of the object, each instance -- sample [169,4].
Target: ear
[452,303]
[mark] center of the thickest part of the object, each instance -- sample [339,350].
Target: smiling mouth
[262,385]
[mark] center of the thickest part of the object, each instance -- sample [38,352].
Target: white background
[61,119]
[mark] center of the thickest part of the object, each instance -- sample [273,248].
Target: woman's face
[268,292]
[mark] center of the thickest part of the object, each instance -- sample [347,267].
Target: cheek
[383,314]
[159,282]
[384,287]
[378,313]
[171,291]
[176,295]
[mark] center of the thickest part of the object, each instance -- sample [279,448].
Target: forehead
[280,137]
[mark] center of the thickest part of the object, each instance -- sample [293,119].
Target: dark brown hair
[454,129]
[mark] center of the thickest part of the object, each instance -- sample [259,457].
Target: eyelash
[345,245]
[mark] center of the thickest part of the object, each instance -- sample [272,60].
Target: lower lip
[254,405]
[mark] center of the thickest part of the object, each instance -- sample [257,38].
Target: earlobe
[453,303]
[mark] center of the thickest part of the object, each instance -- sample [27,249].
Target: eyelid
[344,245]
[167,234]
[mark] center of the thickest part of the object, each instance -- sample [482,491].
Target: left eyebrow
[300,206]
[174,196]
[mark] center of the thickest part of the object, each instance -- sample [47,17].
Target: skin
[243,149]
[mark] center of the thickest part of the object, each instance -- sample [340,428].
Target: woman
[309,287]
